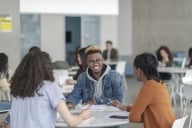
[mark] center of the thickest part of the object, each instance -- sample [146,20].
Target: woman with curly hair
[36,97]
[165,59]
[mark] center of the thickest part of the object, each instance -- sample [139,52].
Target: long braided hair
[148,64]
[29,75]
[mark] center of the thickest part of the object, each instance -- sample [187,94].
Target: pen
[110,102]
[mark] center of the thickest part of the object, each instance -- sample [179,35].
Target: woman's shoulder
[49,85]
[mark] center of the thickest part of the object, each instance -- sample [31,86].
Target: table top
[172,69]
[99,118]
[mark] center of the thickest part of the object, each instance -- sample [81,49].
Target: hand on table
[86,114]
[91,102]
[117,104]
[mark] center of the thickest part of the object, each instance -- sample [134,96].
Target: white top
[37,111]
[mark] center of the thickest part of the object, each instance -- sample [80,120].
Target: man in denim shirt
[99,84]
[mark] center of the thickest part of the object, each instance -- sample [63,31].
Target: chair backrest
[3,115]
[120,68]
[60,75]
[180,62]
[187,87]
[179,123]
[188,73]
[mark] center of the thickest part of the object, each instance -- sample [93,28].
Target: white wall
[125,27]
[109,30]
[10,41]
[52,35]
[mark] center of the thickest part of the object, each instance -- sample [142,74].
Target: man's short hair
[93,49]
[109,42]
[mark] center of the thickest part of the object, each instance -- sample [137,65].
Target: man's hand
[70,105]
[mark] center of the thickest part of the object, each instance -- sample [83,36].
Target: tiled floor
[131,94]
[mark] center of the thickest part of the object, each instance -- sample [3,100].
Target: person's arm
[143,100]
[70,82]
[4,85]
[117,104]
[71,120]
[76,95]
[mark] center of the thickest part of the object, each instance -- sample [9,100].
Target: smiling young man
[99,84]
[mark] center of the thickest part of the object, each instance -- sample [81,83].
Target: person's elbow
[135,119]
[71,124]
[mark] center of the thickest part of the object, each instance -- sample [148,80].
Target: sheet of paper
[92,107]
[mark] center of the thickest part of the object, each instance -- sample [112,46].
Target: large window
[30,32]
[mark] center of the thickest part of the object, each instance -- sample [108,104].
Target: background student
[82,64]
[110,53]
[165,59]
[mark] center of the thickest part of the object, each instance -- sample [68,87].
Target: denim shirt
[84,89]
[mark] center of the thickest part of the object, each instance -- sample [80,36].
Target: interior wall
[108,29]
[162,22]
[10,41]
[125,28]
[52,35]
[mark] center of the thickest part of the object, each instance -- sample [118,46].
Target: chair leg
[190,120]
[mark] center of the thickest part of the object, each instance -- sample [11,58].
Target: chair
[179,123]
[59,64]
[60,75]
[120,68]
[186,89]
[179,61]
[3,115]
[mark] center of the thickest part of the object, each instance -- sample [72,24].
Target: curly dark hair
[163,47]
[34,48]
[3,65]
[147,62]
[30,73]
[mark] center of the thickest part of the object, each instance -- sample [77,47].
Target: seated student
[82,64]
[4,86]
[153,104]
[34,48]
[110,53]
[165,59]
[99,84]
[190,58]
[36,97]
